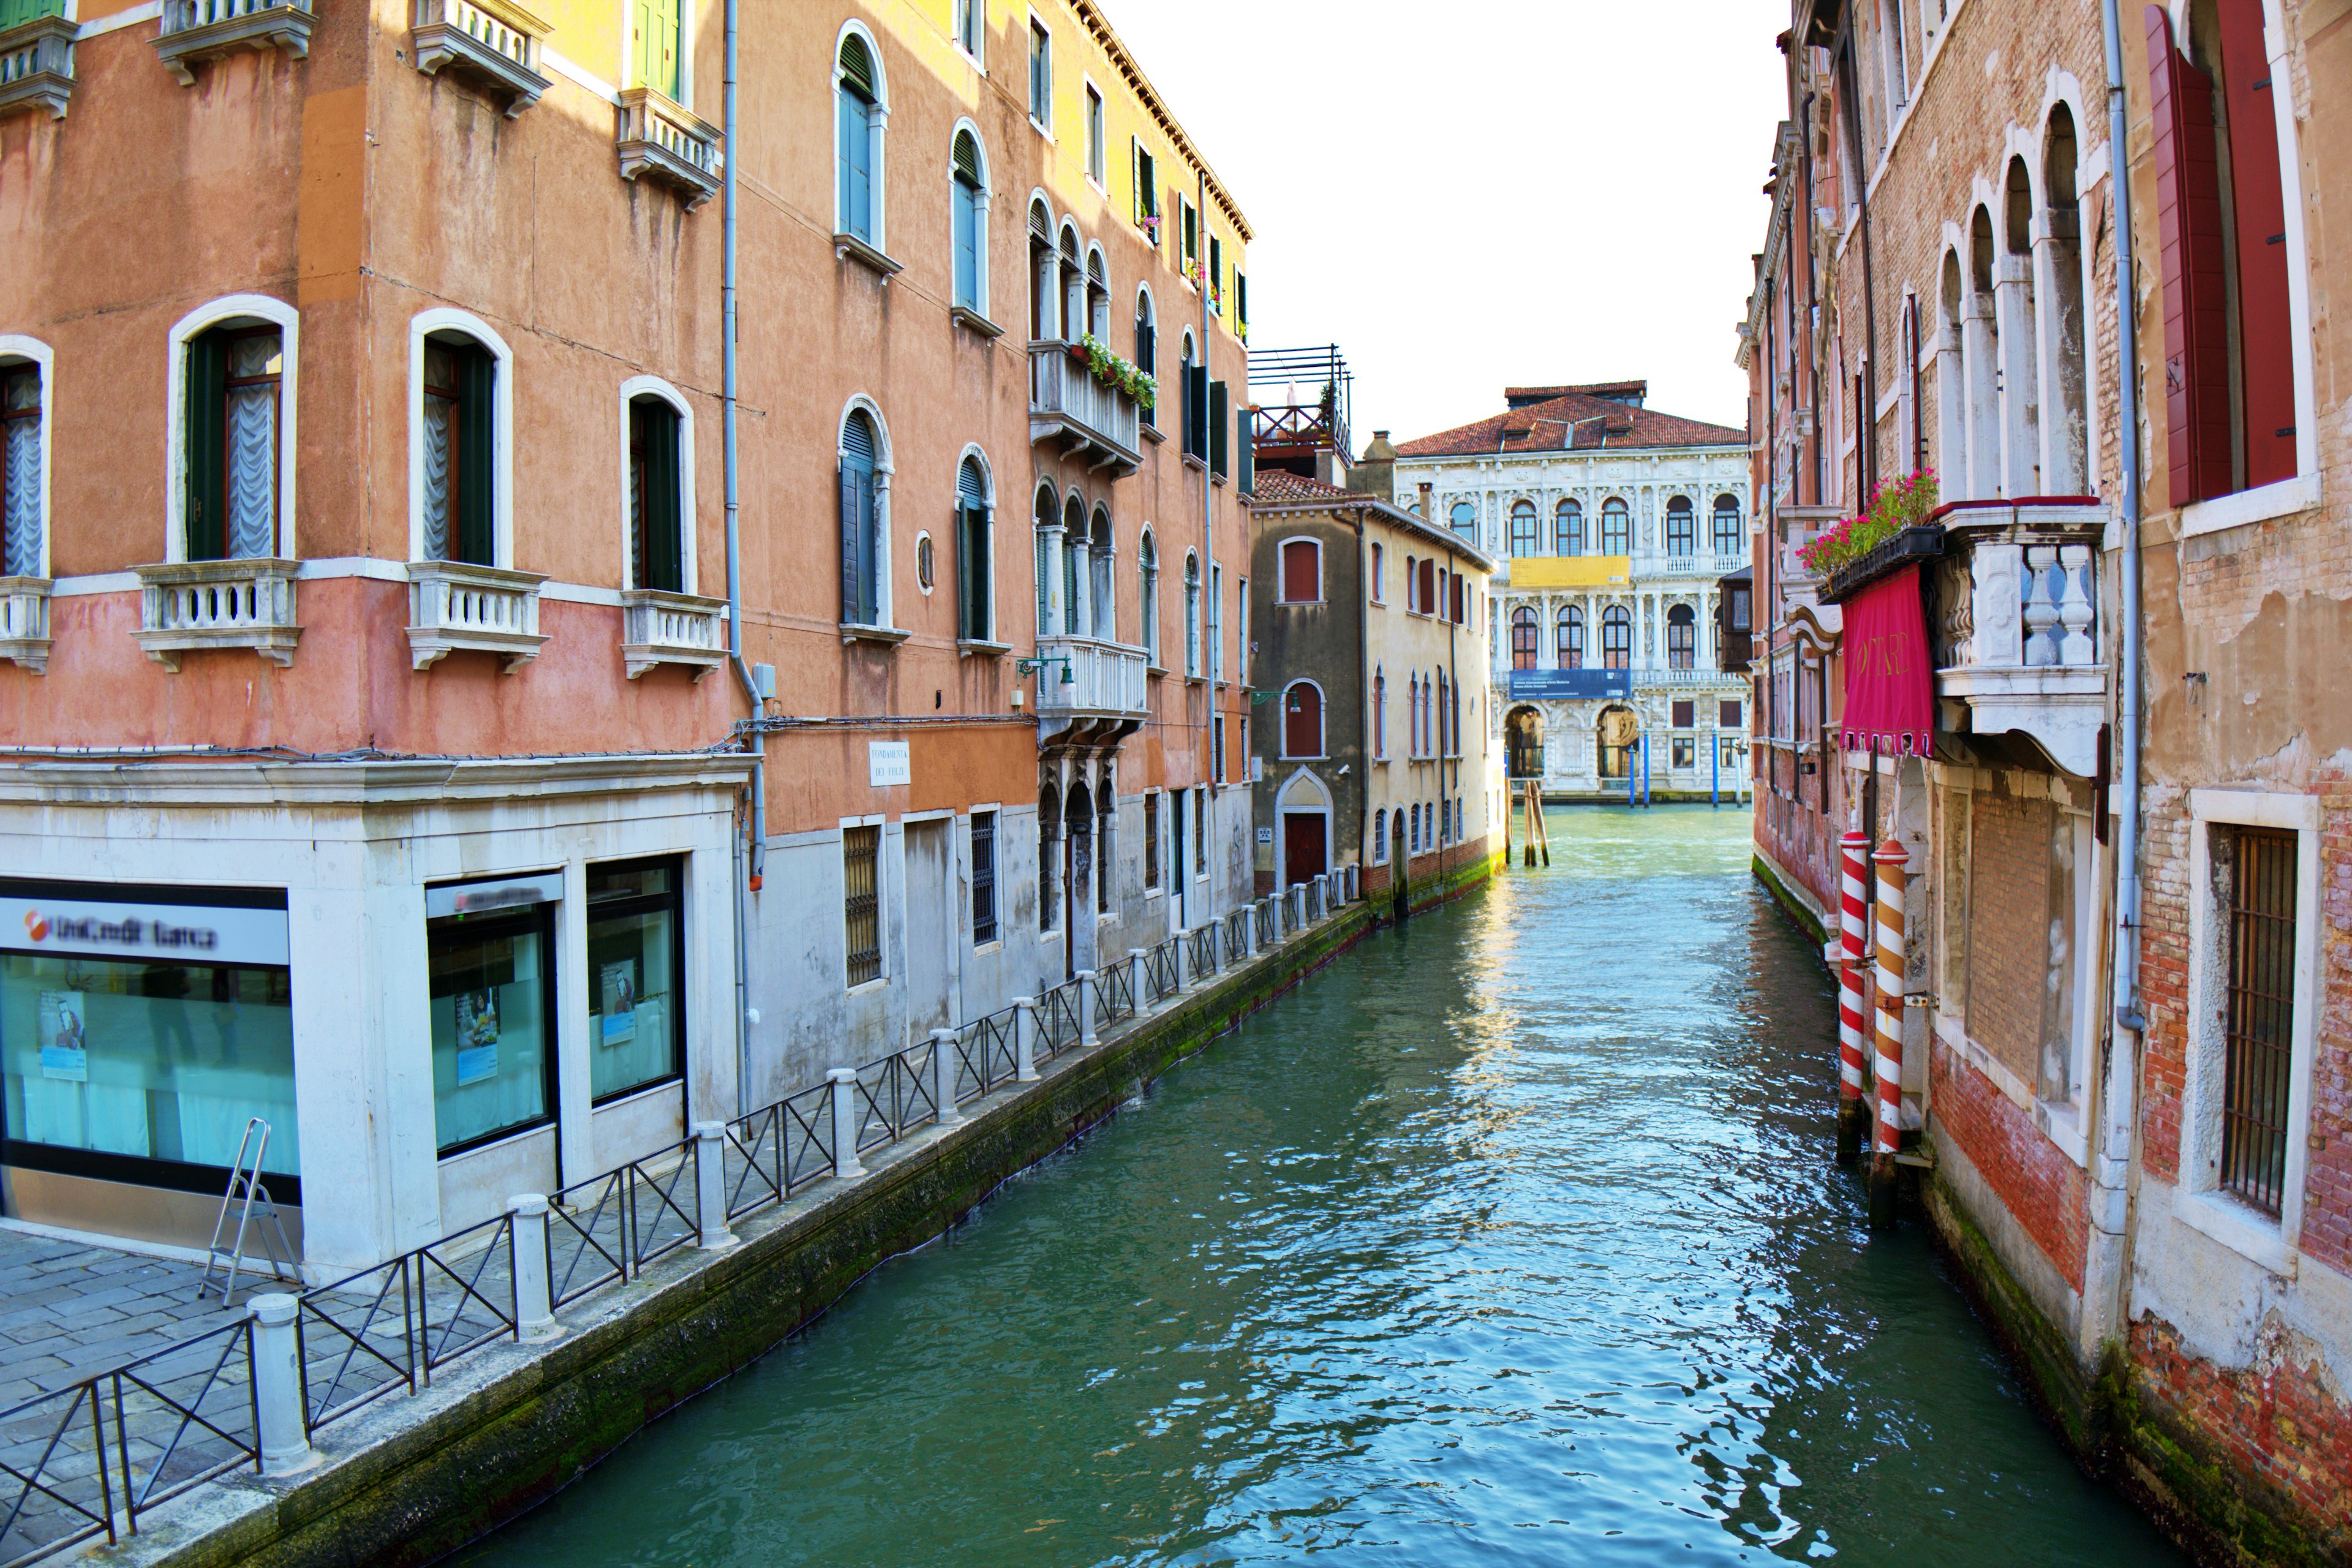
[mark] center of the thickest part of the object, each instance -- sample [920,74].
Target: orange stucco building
[373,601]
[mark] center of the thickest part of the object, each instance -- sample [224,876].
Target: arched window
[1381,835]
[1074,616]
[858,138]
[861,522]
[1980,350]
[1416,828]
[1411,586]
[1044,289]
[2066,465]
[1049,850]
[1379,713]
[1048,547]
[1571,648]
[1302,720]
[1192,615]
[2013,308]
[1523,639]
[1099,599]
[975,554]
[1727,539]
[1567,528]
[1682,637]
[1097,315]
[1302,572]
[234,362]
[1616,638]
[1147,554]
[1523,527]
[1439,717]
[1951,386]
[24,490]
[968,219]
[1078,823]
[1073,275]
[1616,527]
[1466,518]
[1147,351]
[1681,528]
[657,495]
[458,429]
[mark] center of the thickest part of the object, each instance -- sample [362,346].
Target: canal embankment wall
[412,1478]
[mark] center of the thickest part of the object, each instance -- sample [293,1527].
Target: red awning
[1890,699]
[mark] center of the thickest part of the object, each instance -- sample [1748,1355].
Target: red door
[1302,847]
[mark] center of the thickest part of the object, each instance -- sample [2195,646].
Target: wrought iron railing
[1161,976]
[1057,1020]
[1269,922]
[1200,951]
[1237,934]
[1115,992]
[989,1053]
[773,1153]
[894,1095]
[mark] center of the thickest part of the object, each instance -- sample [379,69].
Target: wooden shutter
[1196,411]
[2264,334]
[477,455]
[2189,228]
[654,57]
[205,433]
[1301,579]
[857,69]
[1219,427]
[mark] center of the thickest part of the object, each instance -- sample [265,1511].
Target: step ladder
[250,1198]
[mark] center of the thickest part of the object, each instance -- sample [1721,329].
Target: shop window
[857,116]
[1568,529]
[1523,527]
[1525,635]
[983,878]
[1682,527]
[657,517]
[1302,572]
[491,984]
[1616,527]
[23,484]
[861,902]
[636,968]
[231,442]
[141,1067]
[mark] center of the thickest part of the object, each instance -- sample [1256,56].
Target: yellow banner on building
[1571,570]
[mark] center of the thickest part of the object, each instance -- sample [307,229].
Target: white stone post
[1136,982]
[844,1122]
[710,1183]
[283,1429]
[1025,1040]
[1089,996]
[534,1303]
[943,1076]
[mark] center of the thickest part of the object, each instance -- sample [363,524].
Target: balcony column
[2057,252]
[1042,291]
[877,122]
[882,540]
[2020,445]
[1074,302]
[1978,347]
[1951,413]
[979,261]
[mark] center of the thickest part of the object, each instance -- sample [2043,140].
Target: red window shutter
[1457,596]
[1302,722]
[2264,340]
[1301,581]
[2189,228]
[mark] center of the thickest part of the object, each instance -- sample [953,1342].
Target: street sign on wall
[1538,684]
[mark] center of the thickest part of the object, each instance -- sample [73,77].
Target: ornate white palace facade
[1616,526]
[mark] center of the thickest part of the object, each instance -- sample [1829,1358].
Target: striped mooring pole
[1854,934]
[1890,860]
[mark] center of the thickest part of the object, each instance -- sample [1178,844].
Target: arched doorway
[1078,839]
[1305,808]
[1616,733]
[1523,743]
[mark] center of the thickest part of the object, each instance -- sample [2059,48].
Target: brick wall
[2043,1191]
[2009,928]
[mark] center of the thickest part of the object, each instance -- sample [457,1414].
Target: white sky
[1487,191]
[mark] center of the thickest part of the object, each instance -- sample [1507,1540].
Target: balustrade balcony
[493,40]
[456,607]
[658,628]
[37,65]
[1086,683]
[194,30]
[1066,404]
[2016,623]
[662,139]
[187,607]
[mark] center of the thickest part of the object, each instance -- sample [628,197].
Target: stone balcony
[24,621]
[190,606]
[683,629]
[1066,404]
[2015,623]
[493,41]
[195,30]
[456,607]
[659,138]
[36,65]
[1089,690]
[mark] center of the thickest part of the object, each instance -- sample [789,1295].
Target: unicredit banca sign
[190,933]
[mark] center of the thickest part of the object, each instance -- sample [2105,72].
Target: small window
[983,878]
[1147,354]
[1147,571]
[1380,836]
[1151,840]
[1191,238]
[1683,751]
[861,902]
[1199,832]
[971,25]
[1568,529]
[924,562]
[1459,598]
[233,415]
[656,541]
[1686,714]
[1523,527]
[1302,572]
[1740,610]
[1380,574]
[1217,748]
[1041,75]
[1616,527]
[636,968]
[1682,527]
[1192,616]
[2259,1020]
[1216,276]
[1429,600]
[1098,152]
[1302,720]
[1727,713]
[1379,713]
[21,521]
[858,95]
[1147,194]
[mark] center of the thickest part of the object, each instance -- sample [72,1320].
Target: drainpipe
[1210,612]
[1364,690]
[2110,1205]
[755,857]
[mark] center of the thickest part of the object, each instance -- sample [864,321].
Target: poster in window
[618,983]
[65,1055]
[478,1036]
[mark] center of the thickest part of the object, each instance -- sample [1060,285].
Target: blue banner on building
[1538,684]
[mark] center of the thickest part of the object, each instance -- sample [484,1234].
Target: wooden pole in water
[1853,932]
[1890,860]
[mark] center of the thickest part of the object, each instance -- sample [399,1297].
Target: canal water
[1509,1238]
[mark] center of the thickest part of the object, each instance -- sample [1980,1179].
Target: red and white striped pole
[1853,930]
[1890,860]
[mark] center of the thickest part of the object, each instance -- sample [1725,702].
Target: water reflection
[1506,1238]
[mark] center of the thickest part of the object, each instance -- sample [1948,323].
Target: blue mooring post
[1713,771]
[1645,770]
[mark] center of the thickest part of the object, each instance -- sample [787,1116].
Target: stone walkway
[68,1309]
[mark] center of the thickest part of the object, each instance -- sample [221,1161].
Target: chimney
[1375,473]
[1427,515]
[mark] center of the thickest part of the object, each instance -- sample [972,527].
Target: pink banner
[1890,698]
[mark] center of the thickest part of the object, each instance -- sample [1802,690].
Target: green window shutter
[206,435]
[971,551]
[857,69]
[1219,426]
[655,59]
[477,436]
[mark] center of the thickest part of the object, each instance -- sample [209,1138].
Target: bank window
[861,908]
[983,878]
[490,981]
[142,1068]
[1151,840]
[636,963]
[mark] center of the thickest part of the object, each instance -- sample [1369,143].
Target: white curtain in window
[20,478]
[440,376]
[252,479]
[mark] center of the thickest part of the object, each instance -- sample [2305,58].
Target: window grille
[2259,1028]
[861,850]
[983,877]
[1151,840]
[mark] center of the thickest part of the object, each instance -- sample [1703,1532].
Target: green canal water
[1509,1238]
